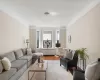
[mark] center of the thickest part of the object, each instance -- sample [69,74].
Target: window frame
[39,38]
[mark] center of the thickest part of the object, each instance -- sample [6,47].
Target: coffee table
[39,67]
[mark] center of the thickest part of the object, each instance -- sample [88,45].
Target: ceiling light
[46,13]
[51,13]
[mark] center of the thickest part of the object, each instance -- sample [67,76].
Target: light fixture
[46,13]
[51,13]
[27,42]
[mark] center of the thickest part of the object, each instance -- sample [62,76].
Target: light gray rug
[54,72]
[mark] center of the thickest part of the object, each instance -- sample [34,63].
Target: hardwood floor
[50,58]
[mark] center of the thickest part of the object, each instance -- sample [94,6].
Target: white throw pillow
[6,63]
[29,51]
[68,55]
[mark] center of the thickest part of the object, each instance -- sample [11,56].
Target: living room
[75,25]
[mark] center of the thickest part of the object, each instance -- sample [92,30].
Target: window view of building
[47,39]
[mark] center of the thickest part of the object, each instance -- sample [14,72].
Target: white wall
[85,33]
[12,33]
[32,36]
[63,37]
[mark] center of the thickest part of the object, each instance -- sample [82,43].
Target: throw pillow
[68,55]
[29,51]
[6,63]
[1,67]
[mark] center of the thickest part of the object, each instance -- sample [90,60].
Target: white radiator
[47,51]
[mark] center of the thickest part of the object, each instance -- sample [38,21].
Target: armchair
[92,72]
[68,63]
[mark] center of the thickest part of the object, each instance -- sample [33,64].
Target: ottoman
[40,55]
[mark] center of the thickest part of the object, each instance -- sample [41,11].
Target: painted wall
[63,37]
[32,36]
[85,33]
[12,33]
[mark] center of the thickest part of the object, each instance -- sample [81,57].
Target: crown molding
[35,27]
[32,27]
[63,27]
[85,10]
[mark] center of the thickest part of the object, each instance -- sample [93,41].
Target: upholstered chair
[70,60]
[92,72]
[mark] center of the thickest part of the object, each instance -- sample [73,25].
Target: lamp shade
[58,44]
[27,40]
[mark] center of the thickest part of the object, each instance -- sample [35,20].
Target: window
[47,39]
[38,38]
[57,36]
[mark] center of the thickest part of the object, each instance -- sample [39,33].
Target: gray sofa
[20,61]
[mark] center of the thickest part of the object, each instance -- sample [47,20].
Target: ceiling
[31,12]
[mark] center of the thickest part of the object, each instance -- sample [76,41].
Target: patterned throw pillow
[1,67]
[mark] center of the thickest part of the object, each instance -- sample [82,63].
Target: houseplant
[82,56]
[82,53]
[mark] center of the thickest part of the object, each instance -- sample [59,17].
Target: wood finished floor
[50,58]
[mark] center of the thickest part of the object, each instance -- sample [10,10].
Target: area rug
[54,72]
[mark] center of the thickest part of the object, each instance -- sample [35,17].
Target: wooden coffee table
[39,67]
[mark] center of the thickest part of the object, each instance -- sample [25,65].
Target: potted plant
[82,55]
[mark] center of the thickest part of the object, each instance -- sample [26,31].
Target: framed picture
[69,38]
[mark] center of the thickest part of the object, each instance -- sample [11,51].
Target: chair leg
[60,64]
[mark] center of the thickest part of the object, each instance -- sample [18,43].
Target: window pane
[57,35]
[47,36]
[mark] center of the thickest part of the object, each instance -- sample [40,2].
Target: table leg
[28,75]
[31,77]
[45,75]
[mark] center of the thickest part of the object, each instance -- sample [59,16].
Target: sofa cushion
[6,75]
[10,56]
[33,51]
[18,53]
[93,71]
[29,51]
[18,64]
[1,67]
[24,50]
[26,57]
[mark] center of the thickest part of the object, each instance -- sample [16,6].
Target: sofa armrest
[78,75]
[79,70]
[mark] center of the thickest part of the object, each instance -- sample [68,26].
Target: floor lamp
[57,48]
